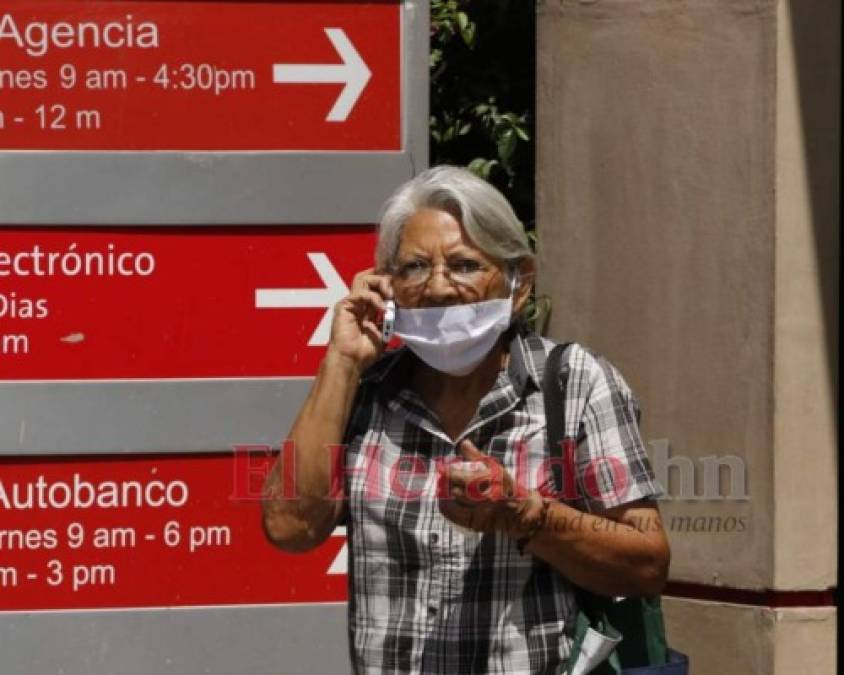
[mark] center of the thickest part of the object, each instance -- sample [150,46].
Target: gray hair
[482,210]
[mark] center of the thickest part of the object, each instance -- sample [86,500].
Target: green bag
[634,626]
[616,634]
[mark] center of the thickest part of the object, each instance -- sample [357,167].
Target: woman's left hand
[485,497]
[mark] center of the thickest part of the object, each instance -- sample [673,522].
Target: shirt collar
[389,361]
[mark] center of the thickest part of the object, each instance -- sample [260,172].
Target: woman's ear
[526,273]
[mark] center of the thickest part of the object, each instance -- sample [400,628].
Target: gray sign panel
[262,640]
[139,416]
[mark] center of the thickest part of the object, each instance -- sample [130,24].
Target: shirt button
[432,609]
[434,538]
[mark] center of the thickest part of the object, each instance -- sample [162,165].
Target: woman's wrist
[337,362]
[533,518]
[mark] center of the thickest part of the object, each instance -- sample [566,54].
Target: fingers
[477,492]
[470,452]
[461,475]
[367,296]
[479,520]
[500,485]
[367,280]
[478,477]
[470,496]
[371,331]
[472,483]
[364,299]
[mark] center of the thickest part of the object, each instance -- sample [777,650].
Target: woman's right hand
[355,334]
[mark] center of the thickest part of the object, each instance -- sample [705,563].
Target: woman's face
[438,265]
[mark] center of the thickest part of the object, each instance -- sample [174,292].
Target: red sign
[146,531]
[99,303]
[115,75]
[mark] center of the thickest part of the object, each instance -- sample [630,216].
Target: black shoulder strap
[554,380]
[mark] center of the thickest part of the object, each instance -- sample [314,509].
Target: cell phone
[388,321]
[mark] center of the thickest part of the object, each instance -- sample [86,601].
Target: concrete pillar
[687,180]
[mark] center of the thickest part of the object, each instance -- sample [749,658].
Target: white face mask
[455,339]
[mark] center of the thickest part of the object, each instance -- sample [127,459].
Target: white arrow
[352,72]
[287,298]
[340,565]
[341,562]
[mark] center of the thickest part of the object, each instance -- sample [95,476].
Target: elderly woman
[460,561]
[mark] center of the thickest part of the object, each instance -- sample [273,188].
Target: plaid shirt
[426,596]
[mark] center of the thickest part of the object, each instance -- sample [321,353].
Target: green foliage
[482,93]
[482,101]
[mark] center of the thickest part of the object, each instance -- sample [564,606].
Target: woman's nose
[440,290]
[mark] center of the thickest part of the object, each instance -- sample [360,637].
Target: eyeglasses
[459,271]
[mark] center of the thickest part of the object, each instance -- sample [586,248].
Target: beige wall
[687,177]
[655,176]
[727,639]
